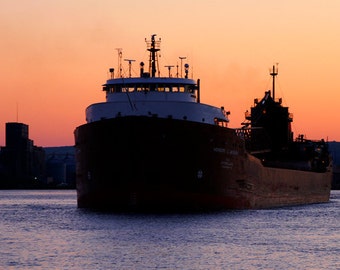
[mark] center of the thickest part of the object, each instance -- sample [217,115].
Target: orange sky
[54,57]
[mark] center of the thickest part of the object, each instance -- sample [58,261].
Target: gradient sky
[55,54]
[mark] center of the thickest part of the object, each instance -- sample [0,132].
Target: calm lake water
[45,230]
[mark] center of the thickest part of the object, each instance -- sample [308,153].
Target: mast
[153,48]
[273,74]
[120,54]
[130,64]
[182,58]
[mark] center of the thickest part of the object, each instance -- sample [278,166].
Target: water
[45,230]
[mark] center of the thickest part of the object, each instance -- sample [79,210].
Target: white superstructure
[148,95]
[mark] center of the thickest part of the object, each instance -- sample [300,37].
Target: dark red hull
[150,163]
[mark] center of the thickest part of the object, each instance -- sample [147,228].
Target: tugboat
[154,146]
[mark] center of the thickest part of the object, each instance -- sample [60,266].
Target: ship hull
[150,163]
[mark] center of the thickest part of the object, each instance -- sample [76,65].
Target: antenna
[130,64]
[273,74]
[182,58]
[169,68]
[120,54]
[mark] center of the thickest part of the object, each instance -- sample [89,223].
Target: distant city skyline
[25,165]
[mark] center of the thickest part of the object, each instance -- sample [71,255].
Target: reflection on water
[45,230]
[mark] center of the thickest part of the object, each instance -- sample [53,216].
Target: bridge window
[163,88]
[178,88]
[128,89]
[143,87]
[190,88]
[149,87]
[115,89]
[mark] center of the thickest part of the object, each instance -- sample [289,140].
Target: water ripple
[45,230]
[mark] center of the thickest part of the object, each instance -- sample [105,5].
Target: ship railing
[243,133]
[255,139]
[221,122]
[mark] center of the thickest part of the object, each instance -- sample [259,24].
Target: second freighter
[154,146]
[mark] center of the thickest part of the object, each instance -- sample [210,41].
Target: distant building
[60,166]
[334,148]
[22,163]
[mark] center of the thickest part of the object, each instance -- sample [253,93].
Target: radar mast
[153,47]
[120,54]
[274,74]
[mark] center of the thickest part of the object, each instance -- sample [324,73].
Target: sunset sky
[55,55]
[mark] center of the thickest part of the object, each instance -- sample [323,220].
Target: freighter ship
[154,146]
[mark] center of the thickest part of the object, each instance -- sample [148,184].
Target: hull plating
[153,163]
